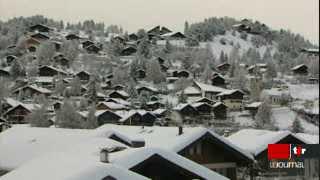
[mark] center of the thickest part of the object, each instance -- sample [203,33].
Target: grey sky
[300,16]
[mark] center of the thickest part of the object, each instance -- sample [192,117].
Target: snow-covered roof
[167,137]
[190,90]
[298,66]
[159,111]
[208,87]
[256,141]
[229,92]
[314,139]
[68,166]
[119,101]
[26,150]
[113,106]
[254,105]
[274,92]
[44,79]
[195,105]
[36,88]
[132,157]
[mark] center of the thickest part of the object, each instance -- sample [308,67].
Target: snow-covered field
[304,91]
[284,118]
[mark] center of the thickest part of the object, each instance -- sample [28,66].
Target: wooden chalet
[93,49]
[133,37]
[256,142]
[128,51]
[119,94]
[32,44]
[183,74]
[112,106]
[138,118]
[72,37]
[218,80]
[232,98]
[224,67]
[51,71]
[32,90]
[104,117]
[17,114]
[155,31]
[40,28]
[86,43]
[4,72]
[205,100]
[84,76]
[164,30]
[147,89]
[153,105]
[219,110]
[174,36]
[187,112]
[40,37]
[253,108]
[301,69]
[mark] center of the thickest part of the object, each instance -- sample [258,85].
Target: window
[199,148]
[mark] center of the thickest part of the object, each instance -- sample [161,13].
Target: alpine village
[90,101]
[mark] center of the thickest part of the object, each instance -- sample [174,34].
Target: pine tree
[91,122]
[144,48]
[45,52]
[92,90]
[68,117]
[186,27]
[75,86]
[153,72]
[296,126]
[182,98]
[16,69]
[39,117]
[263,118]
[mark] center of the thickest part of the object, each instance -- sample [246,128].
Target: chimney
[104,155]
[180,130]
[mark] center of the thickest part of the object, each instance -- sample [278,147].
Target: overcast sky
[300,16]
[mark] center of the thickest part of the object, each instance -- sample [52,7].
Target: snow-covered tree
[263,118]
[296,126]
[91,121]
[68,117]
[16,69]
[75,86]
[4,92]
[70,50]
[153,72]
[45,52]
[256,87]
[182,98]
[143,49]
[92,90]
[39,117]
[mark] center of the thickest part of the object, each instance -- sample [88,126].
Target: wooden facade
[215,154]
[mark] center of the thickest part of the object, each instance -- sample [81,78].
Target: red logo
[285,151]
[279,151]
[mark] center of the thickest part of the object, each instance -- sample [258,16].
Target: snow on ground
[243,118]
[217,47]
[284,118]
[304,91]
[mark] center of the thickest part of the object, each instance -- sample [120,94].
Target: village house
[218,80]
[40,28]
[147,89]
[223,68]
[84,76]
[219,111]
[31,44]
[72,37]
[133,37]
[276,96]
[18,113]
[256,142]
[112,106]
[301,70]
[5,72]
[187,112]
[40,37]
[51,71]
[93,49]
[128,51]
[30,91]
[119,94]
[233,99]
[103,116]
[137,118]
[253,108]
